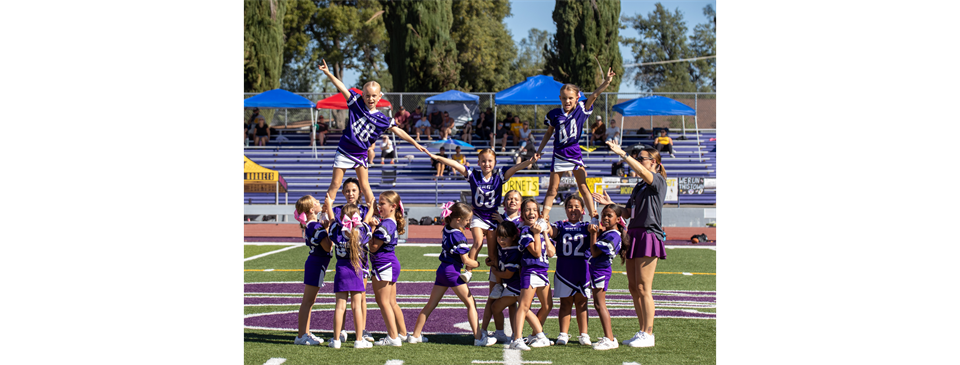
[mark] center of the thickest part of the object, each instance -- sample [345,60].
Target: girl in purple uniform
[511,213]
[453,256]
[486,186]
[566,126]
[348,234]
[385,267]
[351,192]
[571,281]
[314,235]
[535,248]
[602,251]
[364,127]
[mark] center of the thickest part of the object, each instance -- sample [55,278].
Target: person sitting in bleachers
[467,133]
[439,166]
[598,133]
[459,157]
[525,153]
[423,126]
[613,133]
[664,143]
[321,129]
[501,134]
[515,130]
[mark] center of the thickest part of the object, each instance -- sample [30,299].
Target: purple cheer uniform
[346,278]
[533,270]
[573,250]
[487,197]
[383,262]
[316,265]
[453,244]
[601,266]
[363,130]
[510,261]
[567,128]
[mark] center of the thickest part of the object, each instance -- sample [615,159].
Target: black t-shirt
[436,119]
[435,162]
[262,131]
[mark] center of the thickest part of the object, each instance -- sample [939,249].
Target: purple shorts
[600,277]
[448,275]
[314,269]
[533,277]
[645,244]
[512,287]
[386,267]
[346,279]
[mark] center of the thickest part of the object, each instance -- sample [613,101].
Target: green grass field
[679,340]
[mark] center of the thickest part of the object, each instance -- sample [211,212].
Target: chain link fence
[704,103]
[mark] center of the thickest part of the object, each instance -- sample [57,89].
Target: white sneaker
[334,344]
[387,341]
[413,339]
[343,336]
[466,275]
[484,340]
[402,337]
[584,339]
[496,292]
[641,339]
[362,344]
[606,344]
[367,336]
[307,339]
[518,345]
[562,338]
[540,342]
[502,337]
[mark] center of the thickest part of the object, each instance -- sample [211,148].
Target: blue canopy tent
[536,90]
[282,99]
[657,105]
[463,107]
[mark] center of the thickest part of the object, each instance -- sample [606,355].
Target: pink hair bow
[445,209]
[300,217]
[400,204]
[623,222]
[350,223]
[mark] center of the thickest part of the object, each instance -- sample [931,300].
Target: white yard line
[394,362]
[271,252]
[275,361]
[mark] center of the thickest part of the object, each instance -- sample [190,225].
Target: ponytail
[393,198]
[401,223]
[354,235]
[655,154]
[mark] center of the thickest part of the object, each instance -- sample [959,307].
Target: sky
[529,14]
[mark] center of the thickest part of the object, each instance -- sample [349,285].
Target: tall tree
[530,59]
[485,47]
[421,55]
[585,29]
[372,41]
[703,42]
[349,34]
[299,73]
[263,44]
[664,39]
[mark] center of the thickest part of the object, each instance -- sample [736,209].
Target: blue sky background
[529,14]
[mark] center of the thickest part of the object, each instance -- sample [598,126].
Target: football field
[684,293]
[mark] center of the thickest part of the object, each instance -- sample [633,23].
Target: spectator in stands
[439,166]
[515,130]
[486,123]
[664,143]
[402,117]
[501,134]
[251,123]
[246,127]
[414,118]
[598,133]
[620,169]
[447,126]
[262,133]
[526,135]
[436,121]
[321,128]
[460,158]
[467,134]
[386,149]
[525,153]
[613,133]
[423,126]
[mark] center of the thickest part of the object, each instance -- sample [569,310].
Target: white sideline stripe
[270,253]
[700,247]
[438,255]
[268,270]
[688,274]
[275,361]
[394,362]
[631,363]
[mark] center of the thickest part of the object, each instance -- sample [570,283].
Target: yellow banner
[595,180]
[527,186]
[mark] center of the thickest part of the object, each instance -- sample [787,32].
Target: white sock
[561,333]
[584,334]
[541,335]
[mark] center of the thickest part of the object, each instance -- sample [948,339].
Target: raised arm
[645,174]
[606,82]
[406,137]
[543,142]
[518,167]
[336,82]
[453,164]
